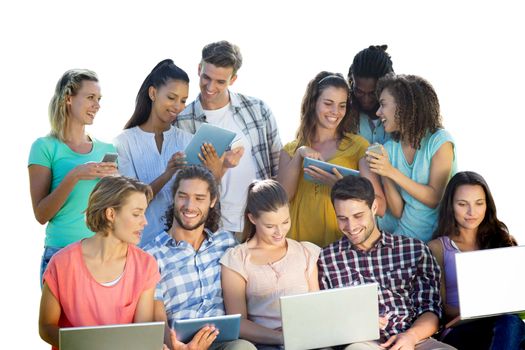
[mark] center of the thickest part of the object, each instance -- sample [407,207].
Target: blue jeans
[505,332]
[48,253]
[509,332]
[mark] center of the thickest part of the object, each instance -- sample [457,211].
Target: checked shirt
[407,274]
[190,281]
[256,121]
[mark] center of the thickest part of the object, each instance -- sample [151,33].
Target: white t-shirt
[234,184]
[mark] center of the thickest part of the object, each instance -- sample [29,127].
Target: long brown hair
[308,124]
[263,196]
[492,233]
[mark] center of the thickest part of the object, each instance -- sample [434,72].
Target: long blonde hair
[67,85]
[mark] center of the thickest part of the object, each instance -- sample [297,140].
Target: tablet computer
[228,326]
[220,139]
[326,167]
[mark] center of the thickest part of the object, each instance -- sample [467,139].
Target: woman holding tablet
[104,279]
[150,148]
[322,134]
[467,221]
[416,164]
[266,266]
[65,165]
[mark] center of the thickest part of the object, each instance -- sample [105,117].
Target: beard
[202,221]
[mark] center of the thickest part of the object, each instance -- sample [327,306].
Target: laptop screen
[491,281]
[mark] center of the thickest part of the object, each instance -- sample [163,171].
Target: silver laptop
[134,336]
[330,317]
[490,282]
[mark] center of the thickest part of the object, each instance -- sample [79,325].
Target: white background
[472,52]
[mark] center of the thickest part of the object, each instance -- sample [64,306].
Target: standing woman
[151,148]
[467,222]
[417,163]
[65,165]
[325,117]
[266,266]
[103,279]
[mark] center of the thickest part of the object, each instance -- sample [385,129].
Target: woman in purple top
[467,221]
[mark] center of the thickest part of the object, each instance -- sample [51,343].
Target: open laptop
[490,282]
[134,336]
[330,317]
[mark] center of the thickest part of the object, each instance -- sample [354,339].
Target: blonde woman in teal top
[417,163]
[65,165]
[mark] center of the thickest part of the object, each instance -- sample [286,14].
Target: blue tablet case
[220,139]
[228,326]
[326,167]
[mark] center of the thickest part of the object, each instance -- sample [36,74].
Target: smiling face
[213,83]
[330,107]
[192,204]
[83,107]
[272,227]
[356,220]
[387,111]
[130,219]
[168,100]
[470,206]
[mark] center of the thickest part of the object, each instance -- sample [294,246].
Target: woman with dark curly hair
[322,134]
[468,221]
[417,163]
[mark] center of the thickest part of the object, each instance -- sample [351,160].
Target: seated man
[407,274]
[188,256]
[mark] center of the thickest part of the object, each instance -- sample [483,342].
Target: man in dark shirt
[407,274]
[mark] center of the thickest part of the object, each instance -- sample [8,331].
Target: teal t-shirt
[418,220]
[68,225]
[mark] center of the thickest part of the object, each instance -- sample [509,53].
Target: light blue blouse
[417,220]
[139,158]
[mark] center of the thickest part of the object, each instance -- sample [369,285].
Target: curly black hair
[417,111]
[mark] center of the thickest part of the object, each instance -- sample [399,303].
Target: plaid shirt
[190,282]
[407,274]
[257,123]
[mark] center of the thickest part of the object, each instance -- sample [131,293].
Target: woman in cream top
[266,266]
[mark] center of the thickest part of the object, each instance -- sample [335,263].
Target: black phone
[110,158]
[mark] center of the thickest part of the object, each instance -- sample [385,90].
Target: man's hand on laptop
[383,320]
[401,341]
